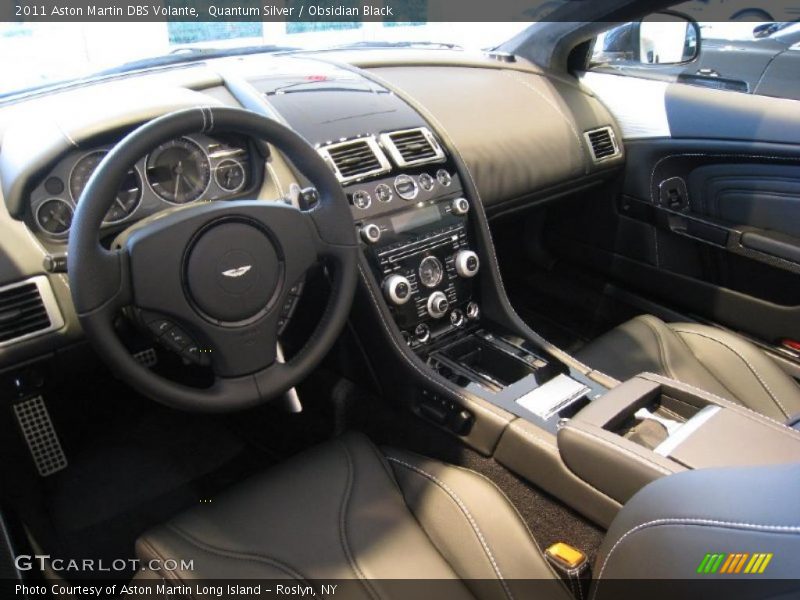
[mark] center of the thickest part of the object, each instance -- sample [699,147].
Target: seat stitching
[660,342]
[169,575]
[692,521]
[465,511]
[747,362]
[622,449]
[343,524]
[243,556]
[705,368]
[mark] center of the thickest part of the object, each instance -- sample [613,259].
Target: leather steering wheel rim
[288,240]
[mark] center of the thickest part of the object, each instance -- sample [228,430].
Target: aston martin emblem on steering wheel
[238,271]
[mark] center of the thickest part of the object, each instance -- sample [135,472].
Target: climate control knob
[397,289]
[467,263]
[370,233]
[437,305]
[460,206]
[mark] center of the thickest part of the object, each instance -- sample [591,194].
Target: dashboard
[386,123]
[185,170]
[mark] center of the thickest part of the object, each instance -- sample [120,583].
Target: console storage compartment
[687,429]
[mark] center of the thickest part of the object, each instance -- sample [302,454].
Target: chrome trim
[48,302]
[613,139]
[407,197]
[397,157]
[666,447]
[371,142]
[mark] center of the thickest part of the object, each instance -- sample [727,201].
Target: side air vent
[27,309]
[603,143]
[409,147]
[355,159]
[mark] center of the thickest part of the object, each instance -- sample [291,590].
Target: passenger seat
[706,357]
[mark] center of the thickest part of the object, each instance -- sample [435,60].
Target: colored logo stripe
[734,563]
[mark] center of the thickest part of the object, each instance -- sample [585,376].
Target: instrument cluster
[195,168]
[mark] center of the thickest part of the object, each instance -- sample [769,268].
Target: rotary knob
[437,305]
[397,289]
[370,233]
[467,263]
[460,206]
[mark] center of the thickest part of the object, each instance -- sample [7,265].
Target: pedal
[40,436]
[571,564]
[147,358]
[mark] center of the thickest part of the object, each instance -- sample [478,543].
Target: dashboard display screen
[415,218]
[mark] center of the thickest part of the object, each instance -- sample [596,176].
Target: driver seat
[371,518]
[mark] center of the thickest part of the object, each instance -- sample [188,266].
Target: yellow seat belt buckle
[565,556]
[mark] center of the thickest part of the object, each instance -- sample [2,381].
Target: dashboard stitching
[490,249]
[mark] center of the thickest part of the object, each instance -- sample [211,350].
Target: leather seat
[706,357]
[379,521]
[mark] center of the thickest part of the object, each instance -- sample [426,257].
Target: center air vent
[355,159]
[603,143]
[27,309]
[412,147]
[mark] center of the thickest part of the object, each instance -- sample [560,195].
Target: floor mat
[137,476]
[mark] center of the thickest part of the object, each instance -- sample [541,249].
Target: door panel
[708,219]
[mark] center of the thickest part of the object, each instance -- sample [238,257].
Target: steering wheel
[220,272]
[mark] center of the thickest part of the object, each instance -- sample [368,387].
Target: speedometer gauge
[128,196]
[179,171]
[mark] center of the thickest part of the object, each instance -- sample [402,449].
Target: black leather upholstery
[709,358]
[345,511]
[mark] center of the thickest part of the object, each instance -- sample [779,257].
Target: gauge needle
[120,203]
[177,185]
[60,220]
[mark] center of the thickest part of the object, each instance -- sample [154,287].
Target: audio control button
[370,233]
[438,305]
[362,199]
[426,182]
[460,206]
[397,289]
[473,311]
[406,187]
[467,263]
[443,177]
[457,318]
[422,332]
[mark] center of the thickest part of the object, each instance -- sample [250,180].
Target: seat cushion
[342,511]
[706,357]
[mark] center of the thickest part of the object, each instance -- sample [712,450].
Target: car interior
[497,321]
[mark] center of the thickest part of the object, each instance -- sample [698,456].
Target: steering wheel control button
[467,263]
[422,332]
[406,187]
[383,192]
[159,327]
[460,206]
[362,200]
[426,182]
[443,177]
[233,272]
[437,305]
[397,289]
[176,339]
[370,233]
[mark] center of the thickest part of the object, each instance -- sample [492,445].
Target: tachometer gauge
[128,196]
[54,216]
[230,175]
[431,271]
[179,171]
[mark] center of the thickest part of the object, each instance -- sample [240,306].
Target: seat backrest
[716,524]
